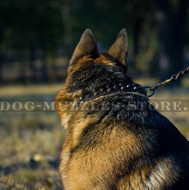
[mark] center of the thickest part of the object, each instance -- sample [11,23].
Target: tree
[30,26]
[172,35]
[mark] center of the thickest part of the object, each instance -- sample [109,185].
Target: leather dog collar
[110,89]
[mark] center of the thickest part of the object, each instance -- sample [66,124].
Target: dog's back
[115,139]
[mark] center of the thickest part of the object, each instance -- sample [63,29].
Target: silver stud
[120,84]
[95,93]
[101,89]
[122,88]
[135,88]
[80,98]
[108,89]
[114,87]
[128,86]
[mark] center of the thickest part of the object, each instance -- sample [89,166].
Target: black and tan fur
[127,148]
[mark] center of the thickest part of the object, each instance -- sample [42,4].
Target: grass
[27,134]
[29,89]
[22,139]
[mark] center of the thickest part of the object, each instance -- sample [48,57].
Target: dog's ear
[86,47]
[119,48]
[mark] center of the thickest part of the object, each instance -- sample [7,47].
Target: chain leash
[173,78]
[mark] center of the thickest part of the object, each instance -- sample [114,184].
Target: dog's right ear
[86,47]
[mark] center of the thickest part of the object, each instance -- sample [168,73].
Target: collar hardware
[109,89]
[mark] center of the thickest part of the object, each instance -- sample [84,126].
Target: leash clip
[150,89]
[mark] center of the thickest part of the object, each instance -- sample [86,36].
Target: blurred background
[37,38]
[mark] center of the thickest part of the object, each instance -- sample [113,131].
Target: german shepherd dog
[112,142]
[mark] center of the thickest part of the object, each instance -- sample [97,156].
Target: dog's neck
[108,89]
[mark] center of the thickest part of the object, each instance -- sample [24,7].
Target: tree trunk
[22,68]
[171,37]
[136,34]
[44,69]
[165,40]
[1,60]
[138,21]
[179,35]
[32,70]
[1,68]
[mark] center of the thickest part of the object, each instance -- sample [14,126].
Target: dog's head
[86,51]
[91,75]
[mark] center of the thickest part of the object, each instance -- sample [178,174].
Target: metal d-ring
[151,89]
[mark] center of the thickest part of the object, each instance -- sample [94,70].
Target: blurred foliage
[33,32]
[30,24]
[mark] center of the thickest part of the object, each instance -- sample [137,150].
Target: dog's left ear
[86,47]
[119,48]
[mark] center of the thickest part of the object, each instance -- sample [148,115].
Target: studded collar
[105,90]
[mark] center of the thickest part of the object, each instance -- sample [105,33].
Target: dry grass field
[30,141]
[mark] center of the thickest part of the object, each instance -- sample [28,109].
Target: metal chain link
[173,78]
